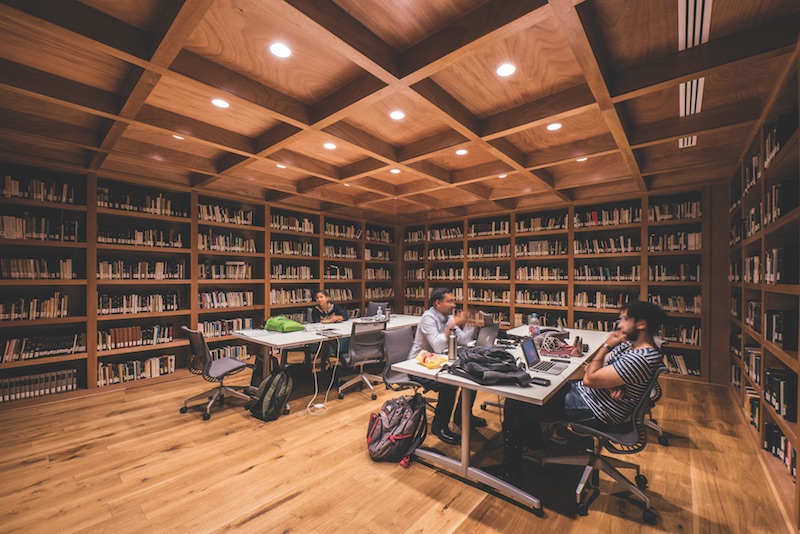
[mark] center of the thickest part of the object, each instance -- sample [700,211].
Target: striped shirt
[636,367]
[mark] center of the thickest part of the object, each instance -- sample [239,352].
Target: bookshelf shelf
[674,284]
[607,228]
[787,289]
[145,282]
[673,252]
[609,255]
[47,282]
[40,243]
[43,322]
[142,215]
[537,233]
[228,253]
[605,283]
[179,373]
[685,315]
[225,281]
[44,360]
[41,204]
[137,248]
[673,222]
[685,346]
[220,339]
[582,309]
[146,315]
[789,358]
[232,309]
[143,348]
[244,227]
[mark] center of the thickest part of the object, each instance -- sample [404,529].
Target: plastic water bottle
[379,315]
[534,326]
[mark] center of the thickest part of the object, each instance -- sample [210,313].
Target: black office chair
[655,395]
[396,345]
[366,347]
[201,363]
[372,308]
[629,437]
[303,348]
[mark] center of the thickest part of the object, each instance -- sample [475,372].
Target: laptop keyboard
[542,366]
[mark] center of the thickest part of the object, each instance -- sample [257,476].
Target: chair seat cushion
[224,366]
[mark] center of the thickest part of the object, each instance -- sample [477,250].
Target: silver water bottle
[452,348]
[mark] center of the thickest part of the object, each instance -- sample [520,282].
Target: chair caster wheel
[341,396]
[222,401]
[206,416]
[653,421]
[663,441]
[374,397]
[483,406]
[641,481]
[538,512]
[184,409]
[582,509]
[649,517]
[286,410]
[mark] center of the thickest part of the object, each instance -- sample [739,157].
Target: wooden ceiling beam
[424,148]
[556,155]
[418,186]
[775,38]
[545,110]
[652,170]
[479,172]
[360,93]
[345,35]
[455,114]
[577,24]
[361,168]
[491,22]
[311,183]
[710,120]
[307,164]
[364,142]
[385,188]
[431,170]
[17,122]
[178,20]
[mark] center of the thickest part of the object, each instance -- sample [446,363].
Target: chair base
[217,394]
[366,378]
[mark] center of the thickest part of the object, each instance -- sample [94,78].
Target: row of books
[541,248]
[116,373]
[230,270]
[751,222]
[414,236]
[752,172]
[494,227]
[780,327]
[489,295]
[547,318]
[446,253]
[777,134]
[489,251]
[378,273]
[39,228]
[677,303]
[150,237]
[735,235]
[225,242]
[780,391]
[736,376]
[680,333]
[678,209]
[682,364]
[28,348]
[735,271]
[36,269]
[28,309]
[410,309]
[36,189]
[377,254]
[752,314]
[479,318]
[121,198]
[619,273]
[598,325]
[412,255]
[736,342]
[238,352]
[675,241]
[609,245]
[281,271]
[415,274]
[348,231]
[736,303]
[290,296]
[341,252]
[38,385]
[781,198]
[684,272]
[382,236]
[141,270]
[544,298]
[291,223]
[545,222]
[752,363]
[601,300]
[488,273]
[435,234]
[224,214]
[752,270]
[415,292]
[225,299]
[291,248]
[375,293]
[138,303]
[752,406]
[224,327]
[337,272]
[606,217]
[782,265]
[133,336]
[780,447]
[540,273]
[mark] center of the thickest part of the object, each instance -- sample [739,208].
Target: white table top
[313,332]
[534,394]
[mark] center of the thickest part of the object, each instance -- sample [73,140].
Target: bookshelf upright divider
[91,280]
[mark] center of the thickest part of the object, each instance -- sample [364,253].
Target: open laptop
[535,363]
[487,335]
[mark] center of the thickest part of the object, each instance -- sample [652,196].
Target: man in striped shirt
[614,382]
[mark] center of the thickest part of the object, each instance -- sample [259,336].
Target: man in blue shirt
[432,335]
[614,382]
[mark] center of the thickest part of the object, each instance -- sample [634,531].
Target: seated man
[432,335]
[615,380]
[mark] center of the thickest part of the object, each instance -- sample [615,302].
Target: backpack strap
[422,430]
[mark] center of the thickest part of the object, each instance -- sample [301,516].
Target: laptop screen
[487,335]
[530,352]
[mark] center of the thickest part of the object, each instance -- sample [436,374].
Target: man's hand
[615,338]
[459,318]
[617,392]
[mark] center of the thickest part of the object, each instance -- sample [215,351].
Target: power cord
[320,408]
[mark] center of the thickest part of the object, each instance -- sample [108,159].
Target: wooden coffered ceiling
[104,85]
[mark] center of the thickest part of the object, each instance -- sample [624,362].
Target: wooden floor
[127,461]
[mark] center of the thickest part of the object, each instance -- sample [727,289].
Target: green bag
[282,324]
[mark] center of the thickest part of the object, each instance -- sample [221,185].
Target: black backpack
[488,366]
[397,430]
[269,402]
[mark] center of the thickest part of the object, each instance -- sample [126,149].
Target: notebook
[487,335]
[536,364]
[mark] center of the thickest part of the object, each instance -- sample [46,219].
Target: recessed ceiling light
[178,137]
[395,171]
[461,151]
[220,103]
[554,126]
[397,115]
[329,146]
[280,50]
[280,165]
[581,160]
[506,69]
[502,175]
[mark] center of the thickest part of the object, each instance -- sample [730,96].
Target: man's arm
[436,340]
[598,375]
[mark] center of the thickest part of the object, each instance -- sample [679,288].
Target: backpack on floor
[397,430]
[269,401]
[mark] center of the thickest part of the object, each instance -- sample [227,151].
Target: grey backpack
[269,401]
[397,430]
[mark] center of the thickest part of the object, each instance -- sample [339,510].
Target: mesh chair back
[309,315]
[372,308]
[396,345]
[200,360]
[624,442]
[366,343]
